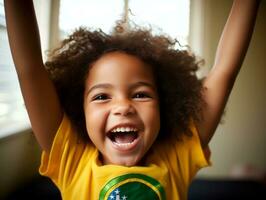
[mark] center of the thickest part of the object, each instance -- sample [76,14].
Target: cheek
[95,119]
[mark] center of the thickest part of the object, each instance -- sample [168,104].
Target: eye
[141,95]
[100,97]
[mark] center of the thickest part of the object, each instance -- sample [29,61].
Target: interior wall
[20,158]
[241,137]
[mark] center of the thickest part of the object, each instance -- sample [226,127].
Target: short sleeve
[197,157]
[65,152]
[191,154]
[184,156]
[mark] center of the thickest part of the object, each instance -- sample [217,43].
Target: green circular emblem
[132,187]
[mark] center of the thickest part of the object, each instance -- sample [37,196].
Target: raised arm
[39,94]
[230,54]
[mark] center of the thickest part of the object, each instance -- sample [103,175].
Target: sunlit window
[13,116]
[90,13]
[167,16]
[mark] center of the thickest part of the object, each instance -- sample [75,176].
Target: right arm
[38,91]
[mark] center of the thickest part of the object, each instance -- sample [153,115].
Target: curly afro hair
[179,89]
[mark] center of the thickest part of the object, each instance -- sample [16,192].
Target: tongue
[124,137]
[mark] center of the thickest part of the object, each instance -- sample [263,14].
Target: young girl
[123,116]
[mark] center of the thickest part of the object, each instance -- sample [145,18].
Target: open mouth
[124,137]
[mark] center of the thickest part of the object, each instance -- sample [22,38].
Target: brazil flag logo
[132,187]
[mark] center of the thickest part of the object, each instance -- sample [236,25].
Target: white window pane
[167,16]
[2,7]
[171,16]
[90,13]
[13,116]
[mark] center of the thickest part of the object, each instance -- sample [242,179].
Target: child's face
[121,108]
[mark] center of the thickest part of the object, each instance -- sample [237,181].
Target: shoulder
[184,149]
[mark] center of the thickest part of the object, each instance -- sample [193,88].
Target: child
[123,116]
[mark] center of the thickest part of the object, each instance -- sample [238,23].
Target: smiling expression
[121,108]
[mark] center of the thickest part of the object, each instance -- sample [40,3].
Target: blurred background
[239,144]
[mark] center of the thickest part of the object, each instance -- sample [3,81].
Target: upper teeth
[124,129]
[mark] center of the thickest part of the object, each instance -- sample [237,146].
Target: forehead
[119,67]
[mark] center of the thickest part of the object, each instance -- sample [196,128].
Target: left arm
[230,54]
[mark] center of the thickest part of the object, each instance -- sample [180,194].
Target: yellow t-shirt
[76,170]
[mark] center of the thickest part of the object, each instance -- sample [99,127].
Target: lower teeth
[123,144]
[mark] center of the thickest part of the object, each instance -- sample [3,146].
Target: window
[171,16]
[13,116]
[96,14]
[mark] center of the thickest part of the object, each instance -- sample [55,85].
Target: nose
[123,107]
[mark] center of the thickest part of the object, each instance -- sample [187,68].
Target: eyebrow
[101,85]
[134,85]
[142,83]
